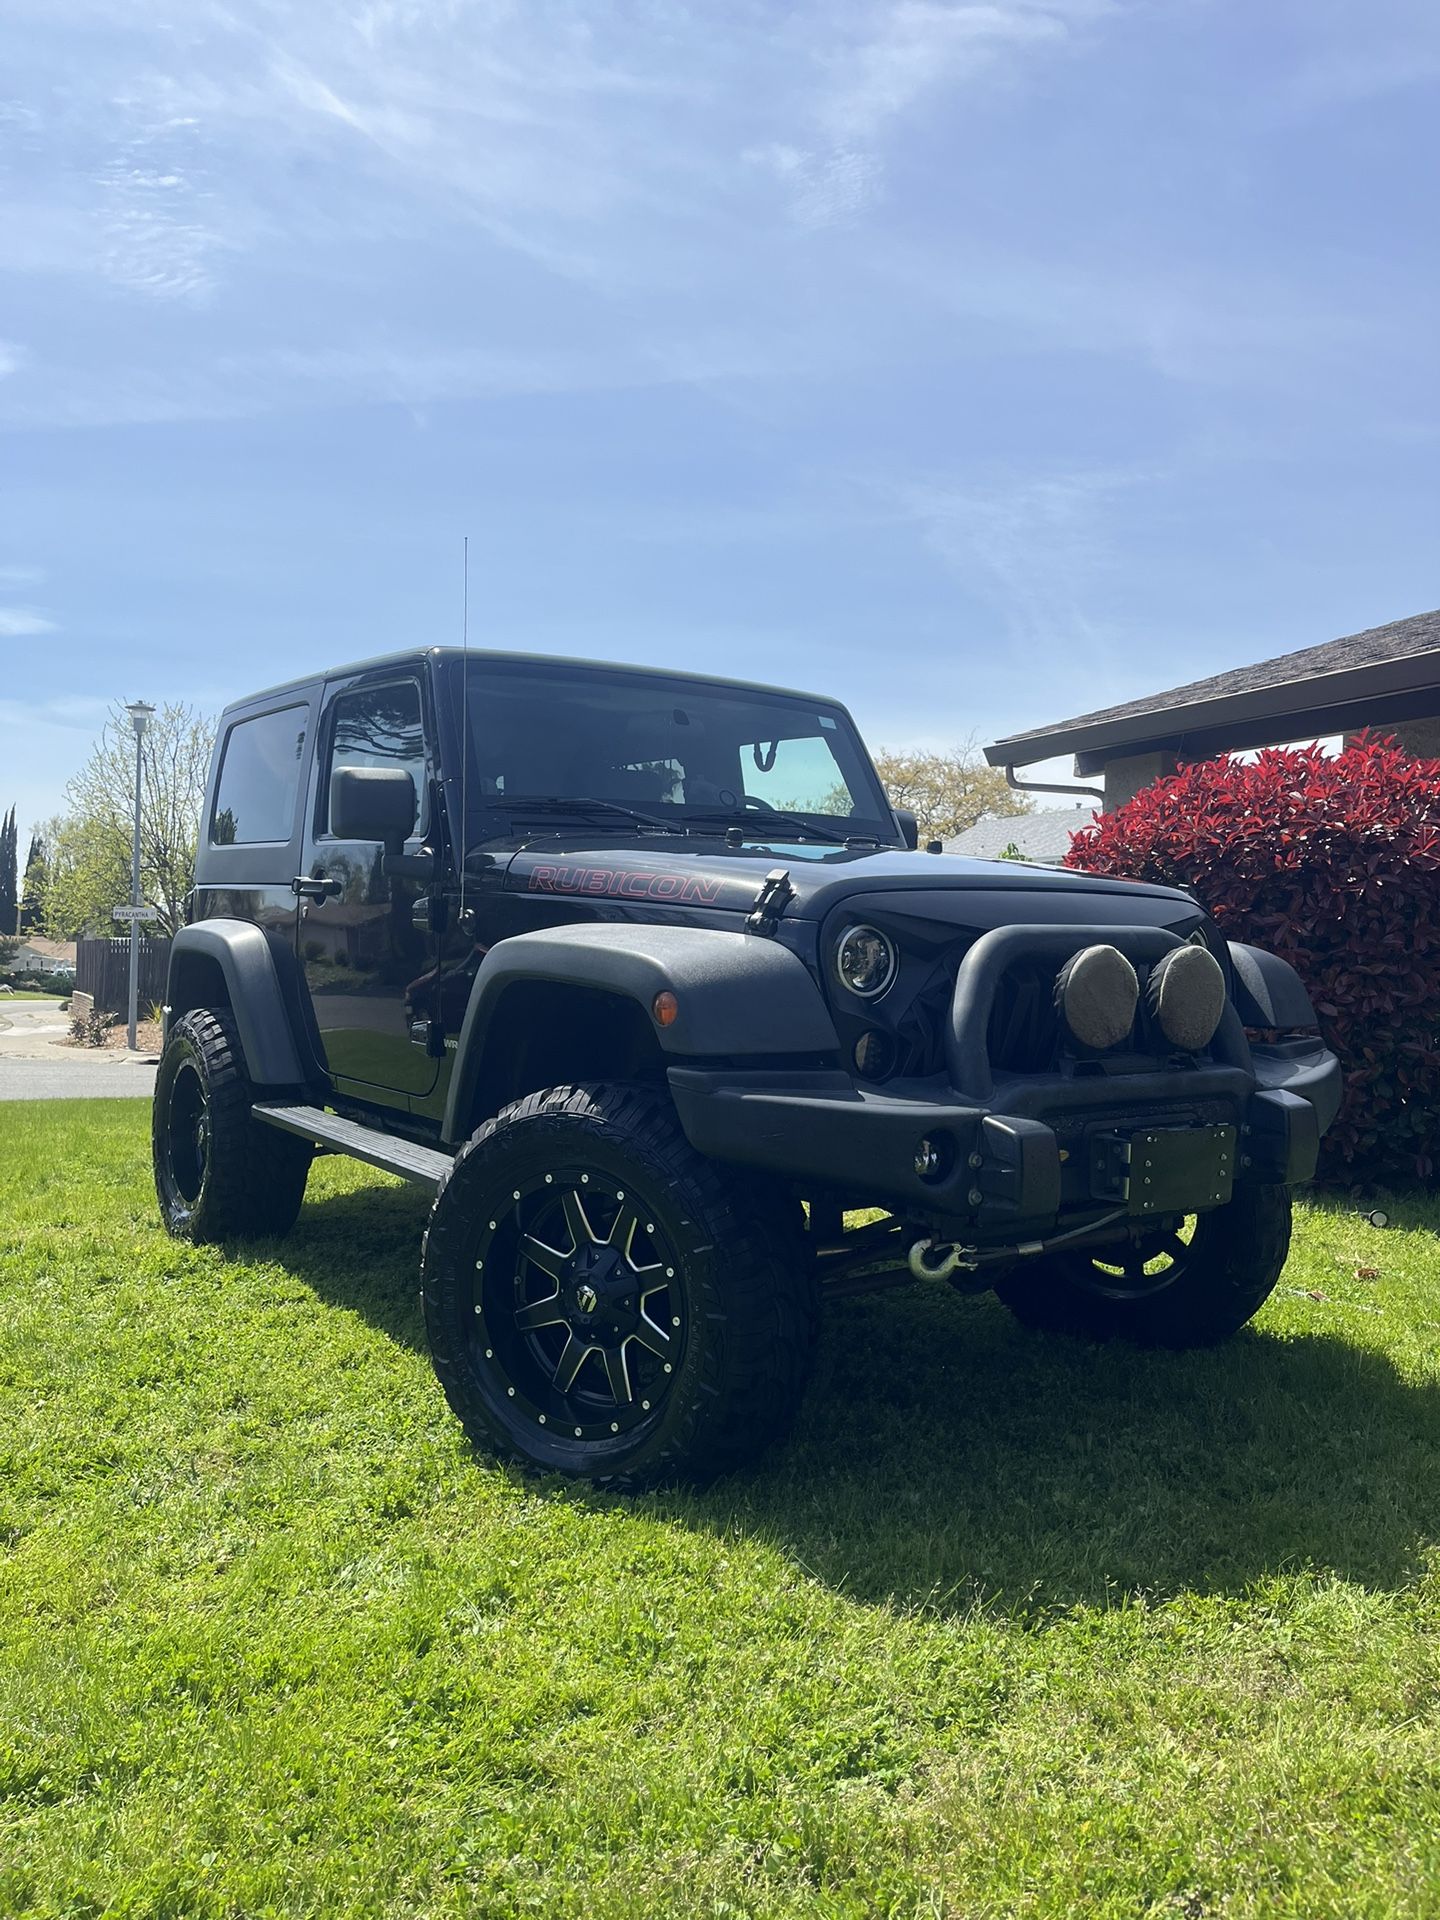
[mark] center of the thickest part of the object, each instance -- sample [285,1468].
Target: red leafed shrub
[1333,863]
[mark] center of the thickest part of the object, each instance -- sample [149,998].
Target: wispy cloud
[822,189]
[1350,57]
[11,358]
[917,48]
[17,623]
[71,712]
[878,65]
[151,208]
[1039,550]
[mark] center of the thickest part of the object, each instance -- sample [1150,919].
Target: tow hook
[939,1259]
[943,1259]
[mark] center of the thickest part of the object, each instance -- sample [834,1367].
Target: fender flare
[736,993]
[1268,990]
[257,1004]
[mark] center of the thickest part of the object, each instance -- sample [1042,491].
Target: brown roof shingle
[1402,657]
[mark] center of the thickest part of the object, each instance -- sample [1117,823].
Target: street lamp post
[139,713]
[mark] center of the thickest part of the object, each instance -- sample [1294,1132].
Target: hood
[702,874]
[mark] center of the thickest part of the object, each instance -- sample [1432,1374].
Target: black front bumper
[1018,1153]
[1001,1170]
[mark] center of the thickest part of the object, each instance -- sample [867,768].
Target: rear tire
[1206,1290]
[603,1301]
[219,1172]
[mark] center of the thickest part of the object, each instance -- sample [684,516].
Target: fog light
[1097,993]
[1186,997]
[929,1158]
[874,1055]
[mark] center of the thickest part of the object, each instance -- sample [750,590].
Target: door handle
[307,886]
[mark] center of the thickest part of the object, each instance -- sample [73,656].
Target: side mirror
[909,827]
[373,803]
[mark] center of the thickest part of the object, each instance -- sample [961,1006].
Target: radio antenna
[465,743]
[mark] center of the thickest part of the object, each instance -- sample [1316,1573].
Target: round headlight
[865,961]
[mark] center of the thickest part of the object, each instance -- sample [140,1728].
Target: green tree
[947,792]
[9,875]
[32,888]
[88,847]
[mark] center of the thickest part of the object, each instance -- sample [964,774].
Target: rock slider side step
[424,1166]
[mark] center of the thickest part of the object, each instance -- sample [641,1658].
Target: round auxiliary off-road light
[865,961]
[1186,997]
[1097,994]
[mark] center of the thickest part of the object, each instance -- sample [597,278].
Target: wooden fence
[102,969]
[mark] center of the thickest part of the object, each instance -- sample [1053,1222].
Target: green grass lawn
[1014,1626]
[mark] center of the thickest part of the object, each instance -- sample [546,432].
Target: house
[38,955]
[1041,839]
[1386,679]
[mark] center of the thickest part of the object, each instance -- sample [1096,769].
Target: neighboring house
[1386,679]
[37,955]
[1042,839]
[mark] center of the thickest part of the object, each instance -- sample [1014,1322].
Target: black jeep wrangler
[644,976]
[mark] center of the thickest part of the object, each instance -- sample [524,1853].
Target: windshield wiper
[576,804]
[764,819]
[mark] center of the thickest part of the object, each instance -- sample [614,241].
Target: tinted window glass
[683,747]
[259,775]
[380,727]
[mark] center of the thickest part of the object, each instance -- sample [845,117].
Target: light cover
[865,961]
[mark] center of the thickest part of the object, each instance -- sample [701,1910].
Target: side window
[379,727]
[259,775]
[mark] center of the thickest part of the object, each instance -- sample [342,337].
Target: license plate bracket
[1165,1169]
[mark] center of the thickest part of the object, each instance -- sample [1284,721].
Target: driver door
[367,955]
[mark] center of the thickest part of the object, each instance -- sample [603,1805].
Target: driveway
[35,1066]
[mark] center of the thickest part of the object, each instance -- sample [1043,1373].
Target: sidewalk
[35,1066]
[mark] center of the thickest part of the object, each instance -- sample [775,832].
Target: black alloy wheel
[219,1172]
[603,1301]
[576,1299]
[1191,1283]
[186,1137]
[1143,1267]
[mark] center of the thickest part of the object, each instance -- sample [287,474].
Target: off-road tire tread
[1246,1245]
[763,1309]
[255,1179]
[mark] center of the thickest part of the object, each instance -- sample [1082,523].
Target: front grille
[1024,1032]
[921,1029]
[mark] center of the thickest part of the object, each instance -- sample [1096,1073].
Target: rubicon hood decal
[623,883]
[637,876]
[728,880]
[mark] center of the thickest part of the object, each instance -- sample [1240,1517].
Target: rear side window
[259,776]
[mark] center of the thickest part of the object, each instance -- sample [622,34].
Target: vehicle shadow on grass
[947,1457]
[361,1251]
[944,1457]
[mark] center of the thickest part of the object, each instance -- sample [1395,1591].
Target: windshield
[674,752]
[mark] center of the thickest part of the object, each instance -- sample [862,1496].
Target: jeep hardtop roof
[410,655]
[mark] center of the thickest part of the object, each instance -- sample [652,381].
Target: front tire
[1164,1290]
[603,1301]
[219,1172]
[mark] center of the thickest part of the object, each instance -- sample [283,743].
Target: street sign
[134,913]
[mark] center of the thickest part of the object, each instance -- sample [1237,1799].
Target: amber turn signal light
[666,1009]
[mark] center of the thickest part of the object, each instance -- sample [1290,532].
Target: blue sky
[979,363]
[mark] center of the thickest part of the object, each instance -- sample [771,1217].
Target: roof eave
[1288,711]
